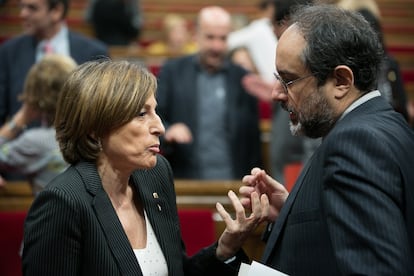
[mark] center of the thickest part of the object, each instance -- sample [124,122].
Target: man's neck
[51,32]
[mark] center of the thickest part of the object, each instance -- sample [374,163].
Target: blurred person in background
[259,39]
[34,152]
[212,123]
[390,82]
[45,31]
[178,38]
[116,22]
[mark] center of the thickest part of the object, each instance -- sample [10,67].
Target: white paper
[244,270]
[258,269]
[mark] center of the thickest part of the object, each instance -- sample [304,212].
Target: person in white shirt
[259,39]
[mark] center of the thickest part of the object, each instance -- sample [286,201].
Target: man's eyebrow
[286,73]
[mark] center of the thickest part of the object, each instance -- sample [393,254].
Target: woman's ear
[344,81]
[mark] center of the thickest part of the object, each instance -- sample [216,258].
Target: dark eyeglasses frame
[287,84]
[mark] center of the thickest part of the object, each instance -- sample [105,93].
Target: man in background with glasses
[351,210]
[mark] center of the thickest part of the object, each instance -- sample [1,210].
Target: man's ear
[57,12]
[344,80]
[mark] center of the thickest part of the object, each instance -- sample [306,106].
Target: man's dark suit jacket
[351,211]
[73,229]
[177,98]
[17,55]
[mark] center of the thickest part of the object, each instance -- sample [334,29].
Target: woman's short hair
[99,97]
[44,82]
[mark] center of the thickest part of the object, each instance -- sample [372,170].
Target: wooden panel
[16,196]
[191,194]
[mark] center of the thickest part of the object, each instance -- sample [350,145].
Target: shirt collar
[59,42]
[366,97]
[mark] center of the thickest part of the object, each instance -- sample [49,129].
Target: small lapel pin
[155,195]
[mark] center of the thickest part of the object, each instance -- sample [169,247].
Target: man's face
[212,42]
[279,27]
[309,107]
[37,18]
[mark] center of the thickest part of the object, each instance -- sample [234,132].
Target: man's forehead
[290,48]
[34,3]
[291,41]
[292,31]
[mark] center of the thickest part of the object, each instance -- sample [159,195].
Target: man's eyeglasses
[286,84]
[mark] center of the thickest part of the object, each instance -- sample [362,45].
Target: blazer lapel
[27,57]
[160,213]
[117,240]
[281,219]
[111,226]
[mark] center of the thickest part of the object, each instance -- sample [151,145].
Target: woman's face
[135,144]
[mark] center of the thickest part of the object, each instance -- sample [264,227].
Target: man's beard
[315,119]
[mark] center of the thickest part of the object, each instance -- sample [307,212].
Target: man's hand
[261,183]
[178,133]
[257,87]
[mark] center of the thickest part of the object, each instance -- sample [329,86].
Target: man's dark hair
[374,21]
[263,4]
[338,37]
[284,9]
[54,3]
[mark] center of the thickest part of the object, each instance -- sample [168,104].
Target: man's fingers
[246,202]
[246,190]
[223,213]
[254,171]
[256,208]
[265,207]
[238,207]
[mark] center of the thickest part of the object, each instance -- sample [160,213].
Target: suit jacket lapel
[111,226]
[281,219]
[159,212]
[27,57]
[74,49]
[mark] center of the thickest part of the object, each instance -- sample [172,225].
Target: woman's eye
[142,114]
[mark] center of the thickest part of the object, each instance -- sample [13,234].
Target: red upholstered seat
[11,237]
[265,110]
[291,173]
[197,228]
[155,69]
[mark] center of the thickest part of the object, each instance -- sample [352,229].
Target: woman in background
[177,40]
[34,152]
